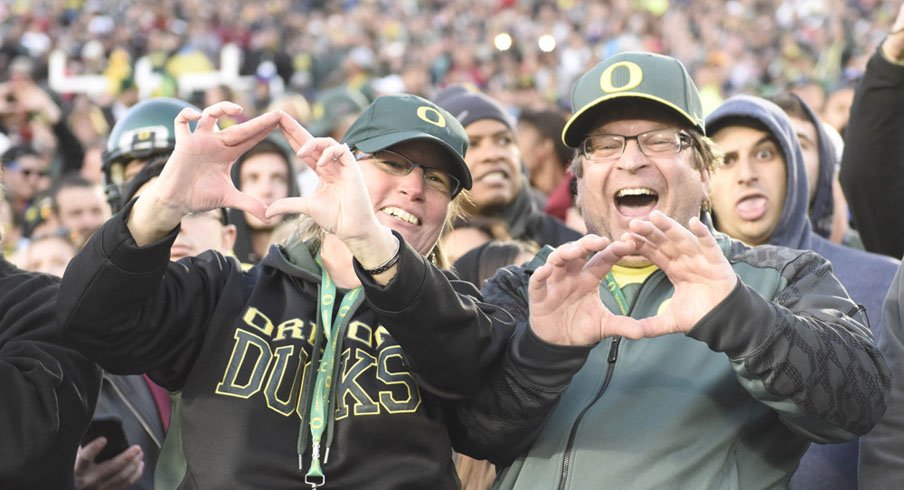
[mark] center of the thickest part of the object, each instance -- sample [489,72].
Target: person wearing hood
[501,189]
[820,161]
[266,172]
[759,196]
[348,349]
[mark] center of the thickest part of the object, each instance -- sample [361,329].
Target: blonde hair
[307,230]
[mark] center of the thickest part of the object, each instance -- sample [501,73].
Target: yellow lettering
[254,318]
[424,113]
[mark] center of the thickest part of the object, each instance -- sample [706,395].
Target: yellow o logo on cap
[424,113]
[635,77]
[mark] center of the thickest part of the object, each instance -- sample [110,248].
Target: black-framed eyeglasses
[655,143]
[397,164]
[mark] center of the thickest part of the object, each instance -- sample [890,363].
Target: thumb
[289,205]
[239,200]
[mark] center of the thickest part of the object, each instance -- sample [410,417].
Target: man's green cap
[655,77]
[392,119]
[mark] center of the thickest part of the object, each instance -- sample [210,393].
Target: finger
[239,200]
[182,123]
[212,113]
[295,133]
[111,469]
[243,136]
[86,454]
[288,205]
[536,286]
[136,474]
[129,473]
[601,263]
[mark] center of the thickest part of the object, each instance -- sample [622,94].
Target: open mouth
[636,201]
[496,177]
[401,215]
[752,208]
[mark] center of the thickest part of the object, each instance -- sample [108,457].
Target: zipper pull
[613,350]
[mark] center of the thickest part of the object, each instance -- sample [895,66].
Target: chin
[635,261]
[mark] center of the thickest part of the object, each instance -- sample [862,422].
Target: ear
[227,238]
[706,182]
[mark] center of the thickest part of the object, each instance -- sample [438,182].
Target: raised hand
[893,46]
[341,204]
[196,176]
[694,264]
[565,306]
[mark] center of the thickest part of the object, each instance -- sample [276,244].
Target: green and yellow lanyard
[320,405]
[617,293]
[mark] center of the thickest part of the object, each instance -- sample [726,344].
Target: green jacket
[732,404]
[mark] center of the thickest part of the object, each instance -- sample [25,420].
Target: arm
[813,363]
[49,390]
[873,159]
[882,449]
[114,302]
[449,335]
[502,419]
[124,306]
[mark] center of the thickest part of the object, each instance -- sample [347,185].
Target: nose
[413,184]
[747,172]
[632,158]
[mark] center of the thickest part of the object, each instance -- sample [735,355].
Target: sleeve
[802,353]
[48,389]
[873,158]
[449,335]
[504,417]
[132,310]
[882,449]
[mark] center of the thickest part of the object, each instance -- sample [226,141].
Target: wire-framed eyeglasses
[655,143]
[397,164]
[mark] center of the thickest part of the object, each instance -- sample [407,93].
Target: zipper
[136,413]
[610,359]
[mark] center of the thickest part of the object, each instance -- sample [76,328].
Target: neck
[337,259]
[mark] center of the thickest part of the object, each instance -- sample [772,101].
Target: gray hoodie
[866,276]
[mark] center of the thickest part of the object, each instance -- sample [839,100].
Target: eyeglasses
[397,164]
[656,143]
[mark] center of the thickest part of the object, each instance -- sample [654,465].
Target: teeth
[401,214]
[638,191]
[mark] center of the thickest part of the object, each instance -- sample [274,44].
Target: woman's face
[407,203]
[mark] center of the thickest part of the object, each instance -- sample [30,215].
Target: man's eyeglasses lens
[659,142]
[397,164]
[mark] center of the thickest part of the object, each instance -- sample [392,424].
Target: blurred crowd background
[70,68]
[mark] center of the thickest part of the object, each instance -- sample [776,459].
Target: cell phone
[111,429]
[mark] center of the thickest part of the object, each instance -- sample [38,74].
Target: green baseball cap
[392,119]
[633,74]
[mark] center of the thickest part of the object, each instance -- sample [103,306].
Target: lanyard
[320,404]
[617,293]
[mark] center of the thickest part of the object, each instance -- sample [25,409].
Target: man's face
[749,189]
[200,232]
[82,209]
[495,164]
[809,145]
[266,177]
[612,193]
[49,255]
[27,177]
